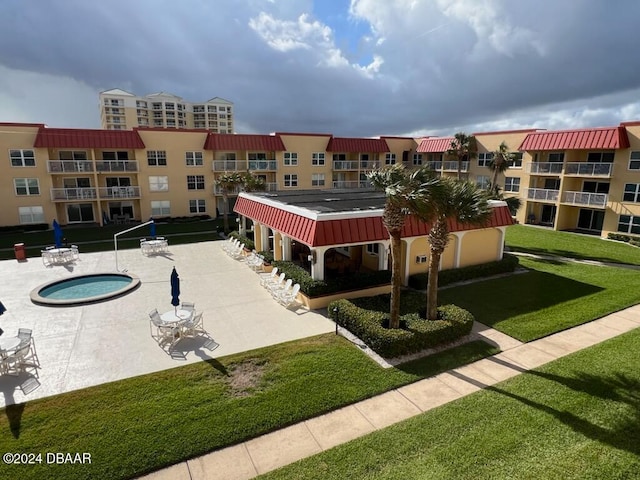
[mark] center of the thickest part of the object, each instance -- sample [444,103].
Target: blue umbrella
[2,310]
[57,233]
[105,218]
[175,288]
[152,230]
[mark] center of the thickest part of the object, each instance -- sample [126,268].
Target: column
[317,267]
[503,232]
[458,236]
[286,248]
[408,258]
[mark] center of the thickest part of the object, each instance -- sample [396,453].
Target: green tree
[251,183]
[401,191]
[450,200]
[463,149]
[229,182]
[499,164]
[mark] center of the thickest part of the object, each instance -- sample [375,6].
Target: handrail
[115,239]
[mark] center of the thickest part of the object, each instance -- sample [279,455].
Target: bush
[415,334]
[248,243]
[267,256]
[508,264]
[631,240]
[316,288]
[33,227]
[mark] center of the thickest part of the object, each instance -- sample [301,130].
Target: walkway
[282,447]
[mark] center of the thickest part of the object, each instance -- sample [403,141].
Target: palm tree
[451,199]
[401,190]
[463,149]
[251,183]
[228,182]
[499,164]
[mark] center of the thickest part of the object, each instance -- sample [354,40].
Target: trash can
[20,252]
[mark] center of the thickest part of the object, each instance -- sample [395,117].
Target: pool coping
[48,302]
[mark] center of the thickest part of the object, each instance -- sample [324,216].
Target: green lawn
[576,418]
[523,238]
[145,423]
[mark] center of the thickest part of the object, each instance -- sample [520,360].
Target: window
[482,181]
[317,179]
[339,157]
[193,159]
[629,224]
[156,158]
[516,160]
[634,161]
[291,180]
[290,159]
[26,186]
[195,182]
[512,184]
[158,184]
[22,158]
[160,208]
[417,159]
[257,156]
[31,214]
[72,155]
[373,248]
[600,157]
[197,206]
[390,159]
[317,159]
[631,192]
[115,155]
[557,157]
[484,159]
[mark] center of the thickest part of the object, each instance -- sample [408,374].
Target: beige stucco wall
[304,146]
[479,246]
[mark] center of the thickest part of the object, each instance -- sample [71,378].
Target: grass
[575,418]
[141,424]
[522,238]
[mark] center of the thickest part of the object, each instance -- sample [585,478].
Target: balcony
[217,190]
[229,165]
[345,165]
[262,165]
[544,168]
[69,166]
[369,164]
[271,187]
[64,194]
[116,165]
[584,169]
[119,192]
[437,165]
[595,200]
[542,194]
[452,166]
[350,184]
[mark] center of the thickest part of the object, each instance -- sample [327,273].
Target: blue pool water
[85,287]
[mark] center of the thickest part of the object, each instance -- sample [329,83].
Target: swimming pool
[83,289]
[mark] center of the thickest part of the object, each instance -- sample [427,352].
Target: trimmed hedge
[316,288]
[621,237]
[415,335]
[248,243]
[508,264]
[267,256]
[32,227]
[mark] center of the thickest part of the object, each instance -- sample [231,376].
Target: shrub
[508,264]
[267,256]
[415,335]
[316,288]
[248,243]
[631,240]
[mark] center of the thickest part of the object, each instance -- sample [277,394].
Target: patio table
[148,246]
[8,344]
[176,316]
[57,255]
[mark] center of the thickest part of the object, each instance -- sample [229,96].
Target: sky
[350,68]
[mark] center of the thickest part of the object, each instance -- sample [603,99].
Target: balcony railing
[345,165]
[349,184]
[217,190]
[63,194]
[263,165]
[437,165]
[596,200]
[116,165]
[544,168]
[369,164]
[229,165]
[271,186]
[69,166]
[586,169]
[542,194]
[120,192]
[452,166]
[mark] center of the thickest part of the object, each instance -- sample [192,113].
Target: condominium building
[121,110]
[584,180]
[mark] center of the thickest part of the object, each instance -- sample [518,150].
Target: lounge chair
[288,297]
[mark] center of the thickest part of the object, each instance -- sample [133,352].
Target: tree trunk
[438,240]
[225,217]
[396,254]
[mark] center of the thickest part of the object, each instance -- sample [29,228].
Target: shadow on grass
[565,253]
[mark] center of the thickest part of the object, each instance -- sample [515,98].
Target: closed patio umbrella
[57,233]
[152,230]
[2,310]
[175,289]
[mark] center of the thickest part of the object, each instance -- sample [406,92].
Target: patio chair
[24,334]
[75,253]
[276,292]
[288,297]
[193,326]
[239,253]
[268,277]
[230,245]
[19,360]
[275,283]
[189,306]
[255,263]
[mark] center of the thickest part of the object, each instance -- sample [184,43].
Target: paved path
[282,447]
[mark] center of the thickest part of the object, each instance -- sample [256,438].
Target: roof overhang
[608,138]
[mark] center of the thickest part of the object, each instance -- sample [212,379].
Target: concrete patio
[104,342]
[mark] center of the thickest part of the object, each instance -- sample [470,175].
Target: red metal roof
[232,141]
[587,138]
[357,145]
[435,145]
[85,138]
[318,233]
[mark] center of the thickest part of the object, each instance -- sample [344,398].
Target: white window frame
[160,208]
[193,159]
[633,221]
[318,159]
[155,158]
[417,159]
[25,160]
[512,184]
[635,193]
[197,206]
[484,159]
[25,187]
[373,249]
[483,181]
[634,160]
[291,180]
[516,160]
[33,214]
[317,180]
[158,183]
[195,182]
[390,159]
[290,159]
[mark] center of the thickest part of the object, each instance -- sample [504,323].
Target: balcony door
[590,220]
[548,216]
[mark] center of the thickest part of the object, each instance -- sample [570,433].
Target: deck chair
[193,326]
[24,334]
[268,277]
[276,292]
[275,283]
[289,297]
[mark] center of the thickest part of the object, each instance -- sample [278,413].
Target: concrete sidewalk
[282,447]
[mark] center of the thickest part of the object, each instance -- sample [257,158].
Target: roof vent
[331,199]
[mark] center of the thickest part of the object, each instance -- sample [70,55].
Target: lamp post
[335,314]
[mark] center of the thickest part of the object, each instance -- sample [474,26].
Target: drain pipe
[115,238]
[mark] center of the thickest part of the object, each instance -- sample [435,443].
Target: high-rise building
[121,110]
